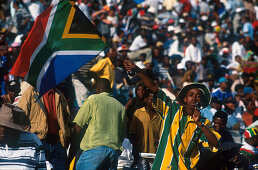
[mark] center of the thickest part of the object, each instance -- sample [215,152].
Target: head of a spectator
[223,83]
[220,119]
[230,105]
[250,106]
[187,98]
[193,41]
[112,11]
[239,89]
[148,101]
[245,77]
[142,57]
[156,53]
[216,103]
[102,85]
[189,65]
[141,91]
[123,50]
[12,121]
[181,68]
[241,39]
[112,55]
[238,58]
[251,136]
[13,89]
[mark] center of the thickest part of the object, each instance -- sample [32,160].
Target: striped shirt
[178,147]
[27,154]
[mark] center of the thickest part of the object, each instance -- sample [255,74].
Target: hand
[196,115]
[129,65]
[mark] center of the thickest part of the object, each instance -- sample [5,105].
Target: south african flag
[61,41]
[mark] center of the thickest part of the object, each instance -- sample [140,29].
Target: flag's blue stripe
[60,68]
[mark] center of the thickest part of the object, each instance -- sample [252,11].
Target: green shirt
[106,121]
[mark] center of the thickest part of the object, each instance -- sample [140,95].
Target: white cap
[171,28]
[214,23]
[181,20]
[204,18]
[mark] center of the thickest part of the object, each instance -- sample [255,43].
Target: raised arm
[148,82]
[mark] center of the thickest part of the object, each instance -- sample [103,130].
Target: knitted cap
[250,133]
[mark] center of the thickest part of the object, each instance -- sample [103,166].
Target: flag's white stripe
[45,37]
[46,65]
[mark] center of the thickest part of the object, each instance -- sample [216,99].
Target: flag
[61,41]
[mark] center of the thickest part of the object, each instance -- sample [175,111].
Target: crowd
[158,50]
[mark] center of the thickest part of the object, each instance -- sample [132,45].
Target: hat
[171,28]
[13,117]
[250,132]
[223,80]
[248,90]
[124,47]
[106,8]
[181,20]
[207,95]
[204,18]
[171,21]
[159,44]
[225,50]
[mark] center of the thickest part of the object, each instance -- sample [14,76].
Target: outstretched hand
[129,65]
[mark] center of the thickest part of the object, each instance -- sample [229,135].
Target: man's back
[105,117]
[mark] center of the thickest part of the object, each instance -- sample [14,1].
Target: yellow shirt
[104,68]
[146,130]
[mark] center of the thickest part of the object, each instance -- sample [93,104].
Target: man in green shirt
[105,122]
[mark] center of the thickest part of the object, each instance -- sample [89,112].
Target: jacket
[38,118]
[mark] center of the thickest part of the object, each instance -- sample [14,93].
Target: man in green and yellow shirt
[182,124]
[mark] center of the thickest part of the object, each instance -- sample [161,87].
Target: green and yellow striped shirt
[178,146]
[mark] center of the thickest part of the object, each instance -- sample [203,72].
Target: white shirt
[193,53]
[137,43]
[237,49]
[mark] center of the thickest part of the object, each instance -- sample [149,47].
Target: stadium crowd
[175,43]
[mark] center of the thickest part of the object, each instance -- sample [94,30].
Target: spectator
[222,91]
[18,149]
[50,120]
[249,149]
[193,52]
[173,113]
[144,133]
[105,122]
[105,68]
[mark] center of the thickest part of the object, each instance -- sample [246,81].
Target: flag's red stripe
[22,64]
